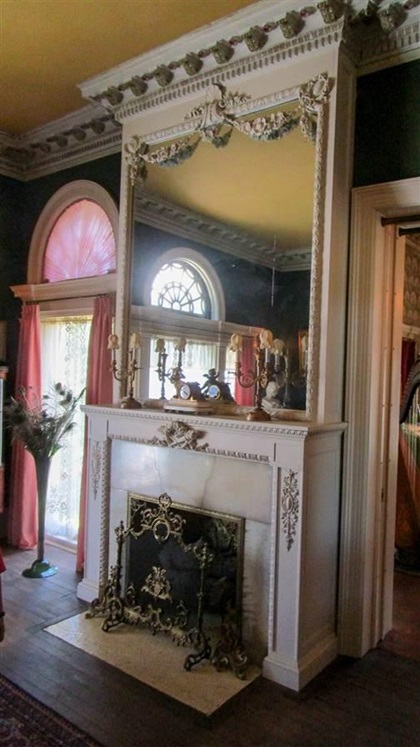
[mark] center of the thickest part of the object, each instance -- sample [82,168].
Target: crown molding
[166,216]
[253,38]
[373,33]
[82,136]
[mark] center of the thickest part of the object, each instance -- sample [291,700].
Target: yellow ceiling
[47,47]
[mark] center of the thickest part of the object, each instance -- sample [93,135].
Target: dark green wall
[387,134]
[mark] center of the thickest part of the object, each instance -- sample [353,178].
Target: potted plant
[41,426]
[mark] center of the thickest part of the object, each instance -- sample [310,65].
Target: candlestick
[135,340]
[161,365]
[128,372]
[176,375]
[260,376]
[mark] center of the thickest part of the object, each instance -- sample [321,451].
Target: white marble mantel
[283,477]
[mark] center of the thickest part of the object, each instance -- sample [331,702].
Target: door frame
[368,502]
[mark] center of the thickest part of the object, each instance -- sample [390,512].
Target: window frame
[37,290]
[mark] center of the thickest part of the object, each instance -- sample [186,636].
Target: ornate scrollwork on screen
[167,559]
[217,118]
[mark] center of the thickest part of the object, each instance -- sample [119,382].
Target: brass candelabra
[175,374]
[126,373]
[262,373]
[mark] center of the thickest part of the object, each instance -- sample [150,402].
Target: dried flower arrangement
[40,425]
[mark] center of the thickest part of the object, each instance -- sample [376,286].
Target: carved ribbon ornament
[216,120]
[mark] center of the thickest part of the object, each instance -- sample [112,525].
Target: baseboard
[87,591]
[295,675]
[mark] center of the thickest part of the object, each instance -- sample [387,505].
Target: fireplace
[179,572]
[281,479]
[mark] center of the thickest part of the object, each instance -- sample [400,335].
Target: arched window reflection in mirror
[178,286]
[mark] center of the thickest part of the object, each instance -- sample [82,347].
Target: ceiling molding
[82,136]
[166,216]
[373,33]
[372,30]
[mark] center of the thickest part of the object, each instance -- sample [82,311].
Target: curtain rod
[412,230]
[64,298]
[400,219]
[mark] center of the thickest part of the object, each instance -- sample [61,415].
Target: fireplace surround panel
[271,475]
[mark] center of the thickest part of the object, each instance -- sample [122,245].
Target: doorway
[372,413]
[404,636]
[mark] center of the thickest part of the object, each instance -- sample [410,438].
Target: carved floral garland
[217,120]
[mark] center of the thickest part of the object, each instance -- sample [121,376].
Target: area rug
[155,661]
[24,722]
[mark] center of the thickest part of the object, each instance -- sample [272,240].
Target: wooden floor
[370,702]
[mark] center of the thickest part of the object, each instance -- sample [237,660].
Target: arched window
[74,241]
[81,244]
[74,238]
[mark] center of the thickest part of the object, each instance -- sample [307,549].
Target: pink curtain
[81,244]
[98,392]
[23,521]
[246,396]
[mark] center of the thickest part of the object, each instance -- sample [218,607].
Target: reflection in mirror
[239,219]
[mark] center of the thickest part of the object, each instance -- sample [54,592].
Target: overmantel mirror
[238,185]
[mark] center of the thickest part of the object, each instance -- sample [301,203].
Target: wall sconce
[126,373]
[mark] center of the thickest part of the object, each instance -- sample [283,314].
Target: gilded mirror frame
[207,122]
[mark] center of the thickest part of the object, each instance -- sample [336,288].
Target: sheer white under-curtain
[64,345]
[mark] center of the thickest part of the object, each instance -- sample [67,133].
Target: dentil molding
[374,33]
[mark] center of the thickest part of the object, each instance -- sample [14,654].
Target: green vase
[41,568]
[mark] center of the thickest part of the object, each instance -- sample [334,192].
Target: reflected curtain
[407,529]
[246,396]
[199,357]
[98,392]
[23,520]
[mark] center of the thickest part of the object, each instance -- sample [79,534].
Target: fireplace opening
[221,533]
[179,572]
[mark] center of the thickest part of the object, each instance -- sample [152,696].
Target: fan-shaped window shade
[80,245]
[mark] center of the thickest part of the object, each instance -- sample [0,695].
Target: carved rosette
[289,507]
[134,152]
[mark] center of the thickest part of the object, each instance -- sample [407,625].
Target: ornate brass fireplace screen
[183,568]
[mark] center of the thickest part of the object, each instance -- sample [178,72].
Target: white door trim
[365,534]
